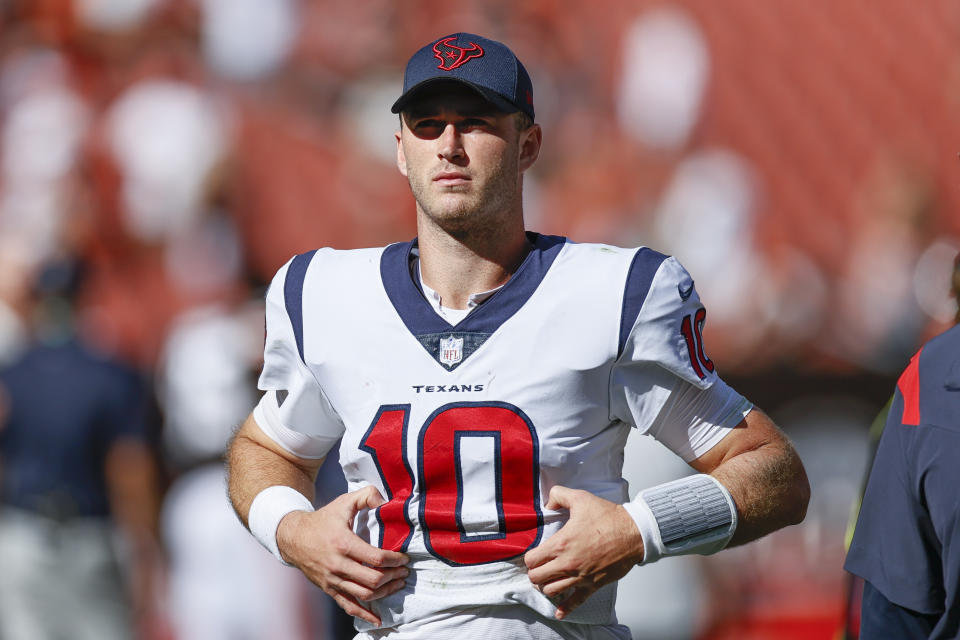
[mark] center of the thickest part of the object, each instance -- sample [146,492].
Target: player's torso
[465,429]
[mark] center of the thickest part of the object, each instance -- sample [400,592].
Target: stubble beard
[479,213]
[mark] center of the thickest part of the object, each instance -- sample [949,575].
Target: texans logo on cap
[451,56]
[499,77]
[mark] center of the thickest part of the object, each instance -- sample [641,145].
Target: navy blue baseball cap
[486,66]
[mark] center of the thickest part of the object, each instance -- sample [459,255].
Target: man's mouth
[451,178]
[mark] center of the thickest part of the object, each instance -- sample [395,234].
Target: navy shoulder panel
[644,267]
[293,295]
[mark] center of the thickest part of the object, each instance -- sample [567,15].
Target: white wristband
[647,524]
[268,509]
[695,514]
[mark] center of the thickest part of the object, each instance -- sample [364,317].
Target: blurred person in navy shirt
[906,545]
[74,463]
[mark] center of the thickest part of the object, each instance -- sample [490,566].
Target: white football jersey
[465,429]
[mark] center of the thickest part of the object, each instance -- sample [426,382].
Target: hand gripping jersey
[465,429]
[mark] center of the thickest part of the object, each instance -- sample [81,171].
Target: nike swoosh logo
[685,293]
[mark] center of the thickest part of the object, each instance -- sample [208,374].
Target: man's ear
[401,158]
[530,141]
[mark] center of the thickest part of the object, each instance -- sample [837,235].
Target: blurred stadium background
[800,158]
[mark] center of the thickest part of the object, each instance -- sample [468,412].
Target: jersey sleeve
[663,382]
[294,410]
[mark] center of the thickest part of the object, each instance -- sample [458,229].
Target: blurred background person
[904,544]
[855,583]
[79,489]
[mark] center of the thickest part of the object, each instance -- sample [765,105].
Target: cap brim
[494,98]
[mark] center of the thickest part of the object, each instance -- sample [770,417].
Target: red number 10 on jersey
[692,334]
[440,480]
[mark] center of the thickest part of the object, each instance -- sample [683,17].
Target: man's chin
[457,221]
[454,206]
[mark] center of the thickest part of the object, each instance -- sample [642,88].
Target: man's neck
[458,267]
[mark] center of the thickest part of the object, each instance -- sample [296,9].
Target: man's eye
[473,123]
[428,128]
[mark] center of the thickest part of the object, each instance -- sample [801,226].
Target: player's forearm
[769,486]
[758,466]
[253,465]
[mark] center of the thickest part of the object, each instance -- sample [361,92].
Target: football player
[482,380]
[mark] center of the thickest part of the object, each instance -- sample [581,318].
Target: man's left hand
[598,544]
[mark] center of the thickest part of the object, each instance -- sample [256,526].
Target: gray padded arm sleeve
[695,514]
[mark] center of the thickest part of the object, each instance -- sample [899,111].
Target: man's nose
[451,143]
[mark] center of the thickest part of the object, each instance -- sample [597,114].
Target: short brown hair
[522,121]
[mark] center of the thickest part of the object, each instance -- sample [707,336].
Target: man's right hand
[324,547]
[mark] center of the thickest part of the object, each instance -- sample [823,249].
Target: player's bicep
[755,431]
[308,430]
[693,421]
[251,434]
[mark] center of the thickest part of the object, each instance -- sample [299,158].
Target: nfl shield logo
[451,350]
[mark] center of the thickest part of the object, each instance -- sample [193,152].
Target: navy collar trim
[420,318]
